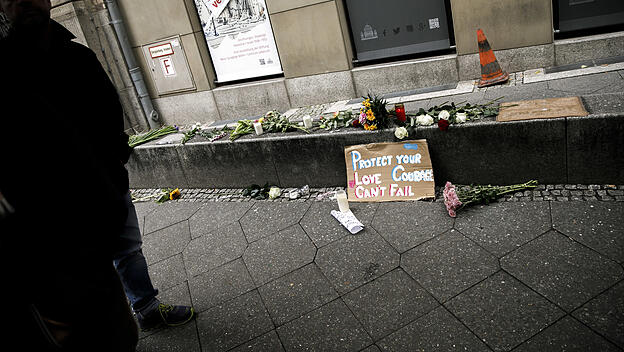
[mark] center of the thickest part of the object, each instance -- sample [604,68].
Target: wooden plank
[541,109]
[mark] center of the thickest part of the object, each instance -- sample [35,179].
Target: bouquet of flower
[168,194]
[272,122]
[262,192]
[339,119]
[447,114]
[373,113]
[139,139]
[457,199]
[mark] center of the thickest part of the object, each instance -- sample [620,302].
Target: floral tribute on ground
[456,199]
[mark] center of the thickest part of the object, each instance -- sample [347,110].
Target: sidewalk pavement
[534,272]
[285,276]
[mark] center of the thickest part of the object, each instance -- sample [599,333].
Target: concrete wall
[88,20]
[564,150]
[314,43]
[148,21]
[507,23]
[309,38]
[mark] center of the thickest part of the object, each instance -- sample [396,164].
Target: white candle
[258,128]
[343,203]
[307,121]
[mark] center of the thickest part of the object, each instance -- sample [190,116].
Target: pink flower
[362,118]
[451,200]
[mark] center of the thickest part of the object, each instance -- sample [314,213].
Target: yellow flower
[261,120]
[373,127]
[175,194]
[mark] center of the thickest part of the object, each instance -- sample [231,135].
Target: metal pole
[135,71]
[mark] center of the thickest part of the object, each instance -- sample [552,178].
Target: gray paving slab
[372,348]
[476,97]
[166,242]
[388,303]
[279,254]
[531,91]
[605,314]
[233,323]
[219,285]
[329,328]
[564,271]
[436,331]
[212,250]
[142,209]
[266,218]
[503,227]
[323,228]
[616,87]
[356,259]
[406,225]
[413,107]
[296,293]
[178,339]
[604,103]
[214,215]
[168,273]
[597,225]
[448,264]
[586,85]
[266,343]
[167,214]
[567,335]
[503,312]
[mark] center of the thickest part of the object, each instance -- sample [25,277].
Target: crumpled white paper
[348,220]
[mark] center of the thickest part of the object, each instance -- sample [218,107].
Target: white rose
[461,117]
[444,115]
[424,120]
[401,132]
[275,192]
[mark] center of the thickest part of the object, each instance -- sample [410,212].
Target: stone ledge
[482,152]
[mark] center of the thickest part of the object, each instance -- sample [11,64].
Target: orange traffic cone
[491,72]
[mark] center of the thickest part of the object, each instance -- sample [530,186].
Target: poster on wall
[240,38]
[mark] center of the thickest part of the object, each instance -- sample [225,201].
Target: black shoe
[164,315]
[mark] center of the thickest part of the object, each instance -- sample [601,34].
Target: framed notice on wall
[240,38]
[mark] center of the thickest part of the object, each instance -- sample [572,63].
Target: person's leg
[130,263]
[132,268]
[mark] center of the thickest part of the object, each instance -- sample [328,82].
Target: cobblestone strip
[557,193]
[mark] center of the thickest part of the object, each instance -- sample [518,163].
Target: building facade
[210,60]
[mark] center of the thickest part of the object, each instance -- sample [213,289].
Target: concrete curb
[564,150]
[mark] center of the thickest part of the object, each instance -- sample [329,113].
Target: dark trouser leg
[130,262]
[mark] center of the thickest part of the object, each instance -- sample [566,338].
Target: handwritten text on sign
[389,172]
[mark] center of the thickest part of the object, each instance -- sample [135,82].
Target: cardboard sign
[389,172]
[541,109]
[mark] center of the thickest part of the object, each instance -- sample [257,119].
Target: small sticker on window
[434,23]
